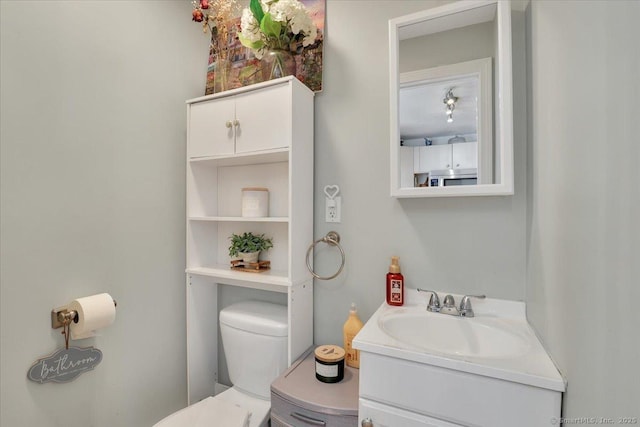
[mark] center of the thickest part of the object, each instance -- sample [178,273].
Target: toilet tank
[254,338]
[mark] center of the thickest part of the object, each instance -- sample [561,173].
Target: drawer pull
[308,420]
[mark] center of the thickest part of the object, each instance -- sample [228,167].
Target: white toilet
[254,337]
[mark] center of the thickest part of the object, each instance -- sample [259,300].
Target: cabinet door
[465,155]
[264,118]
[408,163]
[292,414]
[434,157]
[390,416]
[211,128]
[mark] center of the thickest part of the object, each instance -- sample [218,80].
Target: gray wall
[584,199]
[92,174]
[448,47]
[460,245]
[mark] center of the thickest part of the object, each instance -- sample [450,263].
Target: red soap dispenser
[395,283]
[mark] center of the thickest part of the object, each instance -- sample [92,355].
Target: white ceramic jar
[255,202]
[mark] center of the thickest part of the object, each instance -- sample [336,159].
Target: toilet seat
[259,409]
[210,412]
[231,408]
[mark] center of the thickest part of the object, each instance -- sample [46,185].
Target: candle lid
[329,353]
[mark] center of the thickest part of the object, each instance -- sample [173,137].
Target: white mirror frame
[504,96]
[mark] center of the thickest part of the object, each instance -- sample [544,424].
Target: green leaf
[256,9]
[251,45]
[249,242]
[270,27]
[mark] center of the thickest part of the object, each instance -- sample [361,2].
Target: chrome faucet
[434,301]
[449,304]
[465,305]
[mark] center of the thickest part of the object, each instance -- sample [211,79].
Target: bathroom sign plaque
[64,365]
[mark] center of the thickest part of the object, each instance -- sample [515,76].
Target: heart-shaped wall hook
[331,191]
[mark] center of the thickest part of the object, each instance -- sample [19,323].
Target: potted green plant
[248,246]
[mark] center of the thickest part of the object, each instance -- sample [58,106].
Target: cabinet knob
[457,165]
[228,124]
[448,166]
[367,422]
[236,122]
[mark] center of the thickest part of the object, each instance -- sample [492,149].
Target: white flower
[301,23]
[310,37]
[250,27]
[290,13]
[281,10]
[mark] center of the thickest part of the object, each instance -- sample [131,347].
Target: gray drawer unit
[298,399]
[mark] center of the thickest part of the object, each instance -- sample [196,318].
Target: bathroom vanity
[421,368]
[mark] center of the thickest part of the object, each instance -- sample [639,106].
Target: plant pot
[249,257]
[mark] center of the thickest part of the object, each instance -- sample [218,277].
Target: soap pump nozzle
[395,265]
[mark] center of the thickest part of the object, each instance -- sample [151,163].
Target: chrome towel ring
[332,238]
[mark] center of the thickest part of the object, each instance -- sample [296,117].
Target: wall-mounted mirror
[451,101]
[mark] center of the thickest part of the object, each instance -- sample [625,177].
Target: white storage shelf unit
[256,136]
[214,214]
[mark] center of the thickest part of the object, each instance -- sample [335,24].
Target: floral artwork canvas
[237,65]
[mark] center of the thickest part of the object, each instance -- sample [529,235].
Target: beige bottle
[351,328]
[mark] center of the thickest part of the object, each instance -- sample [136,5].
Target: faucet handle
[465,305]
[449,301]
[449,306]
[434,301]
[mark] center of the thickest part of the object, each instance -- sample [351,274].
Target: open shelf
[215,191]
[271,280]
[208,246]
[239,219]
[253,158]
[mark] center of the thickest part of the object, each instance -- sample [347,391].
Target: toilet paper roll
[94,312]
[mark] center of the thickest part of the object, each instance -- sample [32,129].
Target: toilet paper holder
[62,315]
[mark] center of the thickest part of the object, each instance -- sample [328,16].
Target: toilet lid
[209,412]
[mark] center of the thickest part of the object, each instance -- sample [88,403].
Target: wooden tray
[251,267]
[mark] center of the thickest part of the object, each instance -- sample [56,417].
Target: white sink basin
[477,337]
[497,343]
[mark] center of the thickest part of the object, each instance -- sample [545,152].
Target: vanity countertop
[532,367]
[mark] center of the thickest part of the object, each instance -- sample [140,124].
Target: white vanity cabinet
[381,415]
[461,155]
[398,392]
[255,136]
[419,368]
